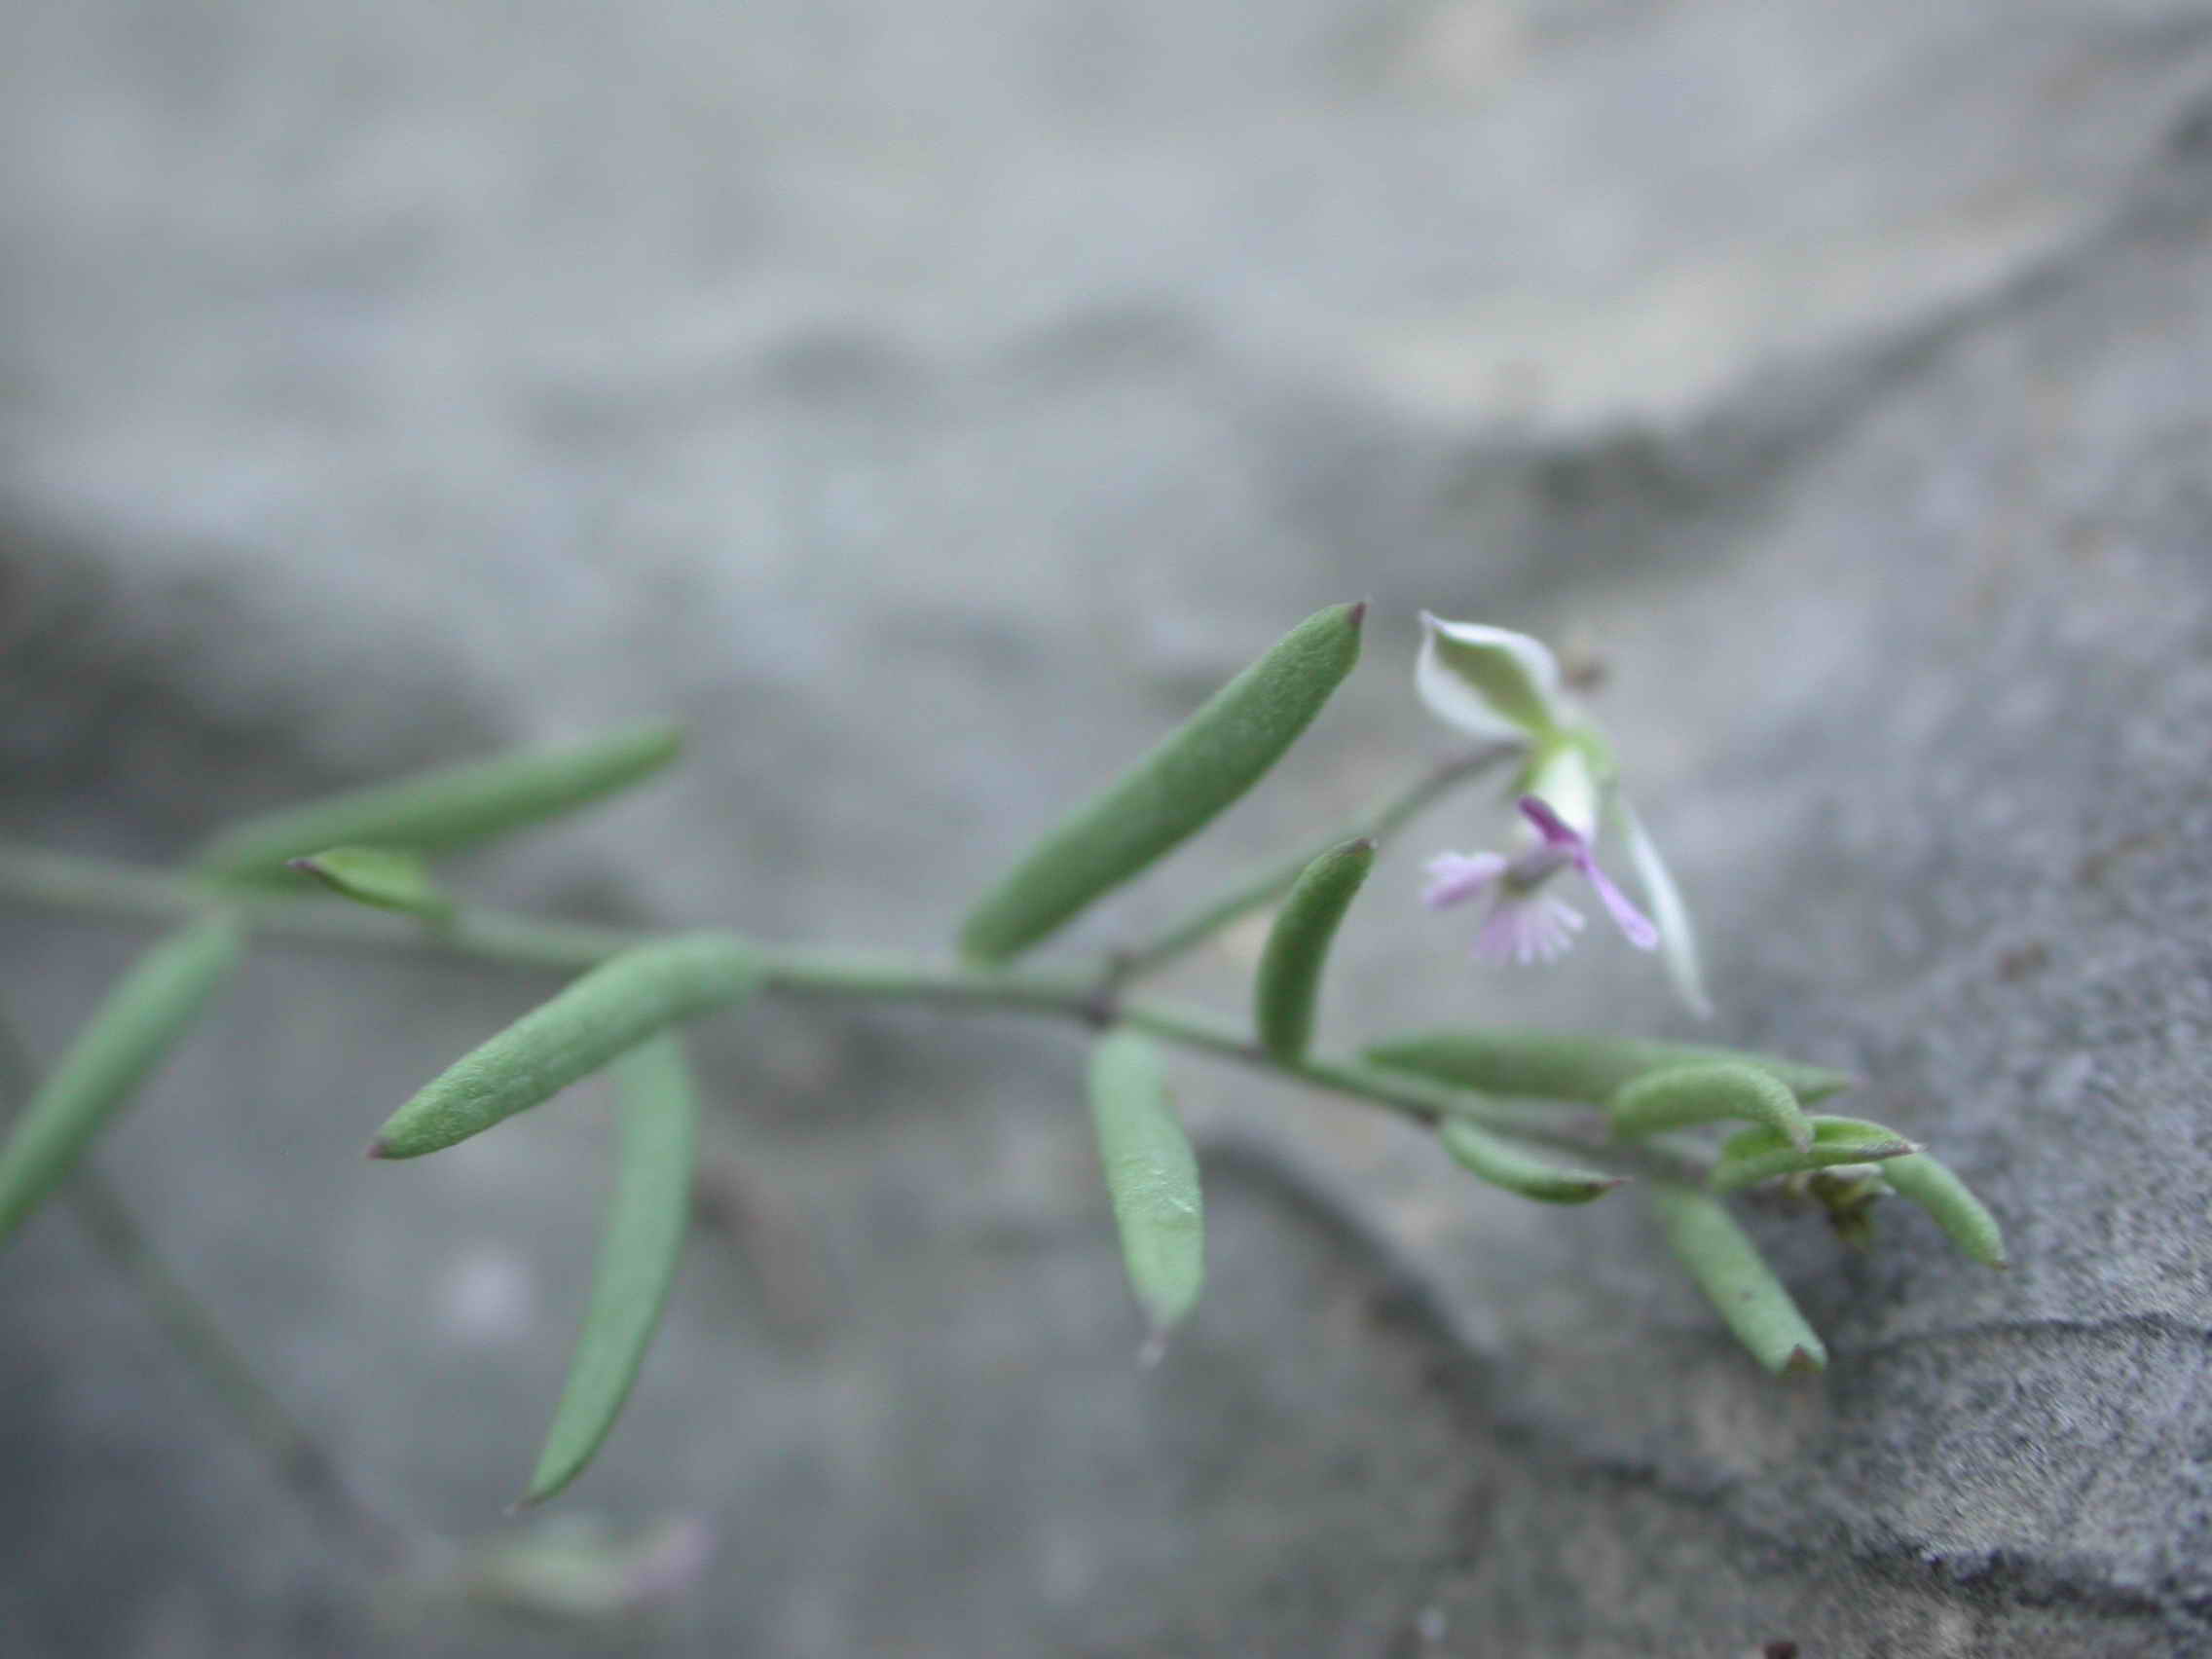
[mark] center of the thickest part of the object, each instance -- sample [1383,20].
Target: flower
[1495,683]
[1525,923]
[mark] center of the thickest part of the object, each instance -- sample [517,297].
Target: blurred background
[929,404]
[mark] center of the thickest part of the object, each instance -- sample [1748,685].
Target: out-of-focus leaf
[141,1020]
[639,1248]
[379,877]
[453,807]
[1152,1176]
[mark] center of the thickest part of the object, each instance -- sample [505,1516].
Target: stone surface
[929,404]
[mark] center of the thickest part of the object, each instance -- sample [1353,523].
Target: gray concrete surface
[929,404]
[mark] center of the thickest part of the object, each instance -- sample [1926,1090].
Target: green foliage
[1736,1278]
[1574,1065]
[1962,1216]
[606,1013]
[631,993]
[379,877]
[639,1248]
[1683,1095]
[1501,1163]
[438,811]
[141,1020]
[1202,768]
[1289,981]
[1760,1154]
[1152,1176]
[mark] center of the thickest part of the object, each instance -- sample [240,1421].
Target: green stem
[192,1328]
[52,881]
[1585,1135]
[1265,886]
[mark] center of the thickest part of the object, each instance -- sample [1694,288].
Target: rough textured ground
[931,403]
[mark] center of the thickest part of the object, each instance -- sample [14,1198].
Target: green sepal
[639,1245]
[1760,1154]
[1503,1164]
[1736,1278]
[380,876]
[1288,982]
[1151,1177]
[136,1025]
[1573,1065]
[1719,1090]
[607,1011]
[1200,769]
[438,811]
[1962,1216]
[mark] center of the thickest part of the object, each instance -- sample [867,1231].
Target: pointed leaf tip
[639,1245]
[380,877]
[1735,1277]
[1963,1218]
[601,1015]
[1761,1153]
[1499,1162]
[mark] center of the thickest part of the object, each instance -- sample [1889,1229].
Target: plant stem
[192,1328]
[52,881]
[1582,1134]
[1267,885]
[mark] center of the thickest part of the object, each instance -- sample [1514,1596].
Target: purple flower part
[1455,877]
[1534,928]
[1635,927]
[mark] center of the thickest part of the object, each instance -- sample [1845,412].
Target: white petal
[1488,682]
[1562,779]
[1678,939]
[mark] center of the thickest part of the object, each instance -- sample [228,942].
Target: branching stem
[301,1462]
[1091,996]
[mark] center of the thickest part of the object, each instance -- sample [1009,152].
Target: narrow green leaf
[1289,981]
[1736,1278]
[1152,1176]
[388,879]
[637,1251]
[1503,1164]
[1962,1216]
[1570,1065]
[441,810]
[1760,1154]
[1683,1096]
[136,1025]
[1200,769]
[607,1011]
